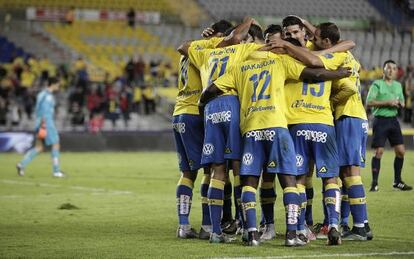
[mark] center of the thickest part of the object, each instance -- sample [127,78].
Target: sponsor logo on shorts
[312,135]
[247,159]
[261,135]
[191,163]
[219,117]
[323,170]
[179,127]
[227,150]
[299,160]
[365,127]
[272,164]
[208,149]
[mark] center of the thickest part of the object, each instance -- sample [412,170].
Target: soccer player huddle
[260,104]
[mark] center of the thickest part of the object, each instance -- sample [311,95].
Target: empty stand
[108,45]
[328,8]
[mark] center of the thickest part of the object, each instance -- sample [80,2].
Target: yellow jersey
[308,102]
[213,63]
[353,106]
[309,45]
[260,87]
[27,79]
[189,82]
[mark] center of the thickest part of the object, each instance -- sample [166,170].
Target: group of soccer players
[279,102]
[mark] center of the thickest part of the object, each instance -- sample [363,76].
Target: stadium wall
[141,141]
[118,141]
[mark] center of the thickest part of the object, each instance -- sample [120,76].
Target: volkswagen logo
[247,159]
[208,149]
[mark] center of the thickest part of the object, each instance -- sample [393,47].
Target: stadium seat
[113,41]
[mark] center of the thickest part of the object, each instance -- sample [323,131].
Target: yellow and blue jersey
[260,87]
[307,101]
[353,107]
[213,63]
[189,82]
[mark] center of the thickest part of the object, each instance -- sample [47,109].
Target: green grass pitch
[127,209]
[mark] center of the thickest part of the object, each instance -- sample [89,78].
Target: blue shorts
[52,136]
[317,142]
[222,138]
[270,150]
[188,135]
[351,138]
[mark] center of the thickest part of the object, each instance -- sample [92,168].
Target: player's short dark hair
[295,42]
[52,80]
[256,32]
[221,26]
[273,29]
[329,31]
[229,30]
[389,61]
[292,20]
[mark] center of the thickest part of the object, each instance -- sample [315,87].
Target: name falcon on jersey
[261,135]
[223,51]
[301,103]
[258,65]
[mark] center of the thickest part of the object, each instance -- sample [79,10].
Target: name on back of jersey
[222,51]
[257,65]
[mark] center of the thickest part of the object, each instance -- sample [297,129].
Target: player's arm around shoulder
[300,53]
[341,46]
[321,74]
[183,48]
[238,34]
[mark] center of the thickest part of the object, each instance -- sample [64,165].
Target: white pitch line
[327,255]
[75,187]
